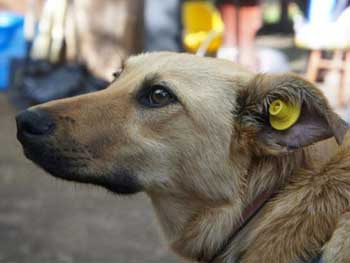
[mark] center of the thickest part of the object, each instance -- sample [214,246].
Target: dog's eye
[157,96]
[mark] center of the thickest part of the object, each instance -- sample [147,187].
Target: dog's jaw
[196,230]
[48,157]
[194,225]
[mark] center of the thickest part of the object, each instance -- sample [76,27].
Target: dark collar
[248,214]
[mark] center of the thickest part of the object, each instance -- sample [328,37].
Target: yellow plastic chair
[203,27]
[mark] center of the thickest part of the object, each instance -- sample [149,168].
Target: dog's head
[172,119]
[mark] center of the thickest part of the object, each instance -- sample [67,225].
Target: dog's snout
[34,122]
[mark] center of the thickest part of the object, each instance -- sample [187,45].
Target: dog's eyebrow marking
[151,79]
[116,74]
[119,71]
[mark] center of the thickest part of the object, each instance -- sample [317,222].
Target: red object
[242,20]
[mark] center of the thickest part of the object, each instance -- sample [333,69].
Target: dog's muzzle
[64,157]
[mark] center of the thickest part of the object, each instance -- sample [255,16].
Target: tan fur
[204,159]
[337,249]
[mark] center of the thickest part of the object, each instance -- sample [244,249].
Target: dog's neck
[196,226]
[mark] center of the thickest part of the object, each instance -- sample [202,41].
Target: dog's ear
[316,122]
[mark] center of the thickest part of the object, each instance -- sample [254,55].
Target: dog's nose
[34,122]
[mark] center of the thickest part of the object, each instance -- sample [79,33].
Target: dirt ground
[43,219]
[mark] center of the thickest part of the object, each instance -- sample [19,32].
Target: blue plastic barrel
[12,43]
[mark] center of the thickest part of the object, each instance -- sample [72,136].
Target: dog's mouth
[64,162]
[69,160]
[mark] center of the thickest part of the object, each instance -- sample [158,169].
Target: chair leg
[346,74]
[342,84]
[312,68]
[338,64]
[337,59]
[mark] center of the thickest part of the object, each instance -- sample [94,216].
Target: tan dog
[194,134]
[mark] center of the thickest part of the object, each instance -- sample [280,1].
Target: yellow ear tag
[283,115]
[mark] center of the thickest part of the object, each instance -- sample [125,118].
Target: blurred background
[59,48]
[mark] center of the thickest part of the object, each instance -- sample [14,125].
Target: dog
[195,135]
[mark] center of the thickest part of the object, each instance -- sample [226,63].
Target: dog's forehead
[182,63]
